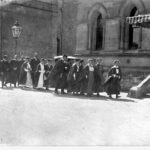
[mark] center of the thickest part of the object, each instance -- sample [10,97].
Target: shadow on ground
[7,88]
[104,98]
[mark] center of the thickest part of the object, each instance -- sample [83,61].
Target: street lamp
[16,31]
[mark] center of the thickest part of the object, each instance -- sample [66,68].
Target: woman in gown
[89,74]
[25,74]
[40,74]
[98,76]
[48,69]
[28,69]
[112,85]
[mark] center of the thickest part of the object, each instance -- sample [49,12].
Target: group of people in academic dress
[26,72]
[86,79]
[71,77]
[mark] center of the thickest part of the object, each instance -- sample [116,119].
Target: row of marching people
[75,77]
[30,73]
[86,79]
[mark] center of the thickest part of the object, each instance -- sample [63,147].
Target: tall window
[58,46]
[99,33]
[133,32]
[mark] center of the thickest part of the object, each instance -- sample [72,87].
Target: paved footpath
[43,118]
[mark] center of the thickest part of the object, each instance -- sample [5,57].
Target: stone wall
[39,23]
[77,21]
[69,23]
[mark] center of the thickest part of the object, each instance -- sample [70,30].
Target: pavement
[29,117]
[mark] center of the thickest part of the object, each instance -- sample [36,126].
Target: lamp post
[16,31]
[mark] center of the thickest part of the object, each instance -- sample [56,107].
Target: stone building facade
[84,28]
[41,24]
[98,28]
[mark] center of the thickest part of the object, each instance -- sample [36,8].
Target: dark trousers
[61,82]
[34,79]
[4,78]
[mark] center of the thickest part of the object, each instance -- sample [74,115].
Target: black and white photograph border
[74,73]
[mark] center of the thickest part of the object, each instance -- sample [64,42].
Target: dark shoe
[81,93]
[62,92]
[110,96]
[117,96]
[56,92]
[97,95]
[89,95]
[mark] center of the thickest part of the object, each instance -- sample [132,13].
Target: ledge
[118,53]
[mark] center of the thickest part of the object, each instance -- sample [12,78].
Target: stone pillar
[122,33]
[140,39]
[82,39]
[1,47]
[112,35]
[141,89]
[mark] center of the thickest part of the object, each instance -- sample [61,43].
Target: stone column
[1,47]
[140,38]
[122,33]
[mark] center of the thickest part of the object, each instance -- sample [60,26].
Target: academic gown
[14,71]
[99,79]
[48,70]
[112,84]
[25,75]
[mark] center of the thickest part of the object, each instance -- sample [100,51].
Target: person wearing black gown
[112,84]
[59,74]
[20,62]
[48,69]
[98,76]
[14,65]
[34,63]
[5,70]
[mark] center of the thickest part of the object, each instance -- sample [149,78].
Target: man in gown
[59,74]
[48,69]
[98,76]
[14,65]
[5,71]
[20,62]
[34,63]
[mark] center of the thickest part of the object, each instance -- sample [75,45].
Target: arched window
[99,33]
[96,27]
[133,40]
[58,46]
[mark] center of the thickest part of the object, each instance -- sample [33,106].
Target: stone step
[140,90]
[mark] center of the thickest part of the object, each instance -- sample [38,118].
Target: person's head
[42,60]
[94,61]
[99,60]
[35,54]
[22,57]
[49,61]
[27,59]
[116,62]
[5,57]
[81,62]
[91,61]
[15,56]
[65,57]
